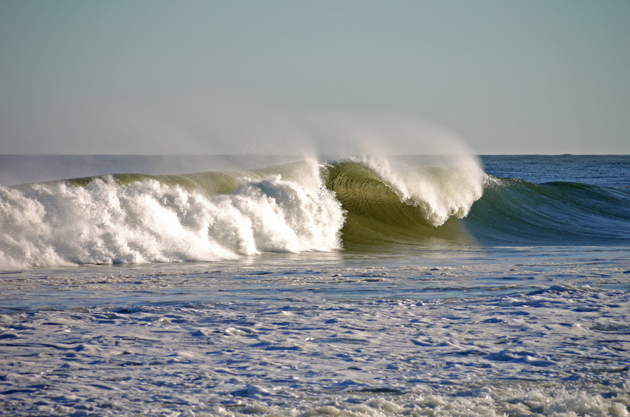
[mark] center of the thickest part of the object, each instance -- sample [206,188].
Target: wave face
[141,218]
[304,206]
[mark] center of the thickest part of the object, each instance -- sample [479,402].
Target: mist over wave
[355,195]
[278,205]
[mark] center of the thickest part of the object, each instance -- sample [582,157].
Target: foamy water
[444,333]
[151,221]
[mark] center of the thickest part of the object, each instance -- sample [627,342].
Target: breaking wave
[140,218]
[349,204]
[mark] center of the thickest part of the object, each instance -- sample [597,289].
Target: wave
[409,206]
[513,211]
[348,204]
[140,218]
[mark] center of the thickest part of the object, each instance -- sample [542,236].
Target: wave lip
[444,187]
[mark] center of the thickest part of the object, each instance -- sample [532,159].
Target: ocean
[292,286]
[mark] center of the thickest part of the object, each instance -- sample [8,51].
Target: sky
[217,77]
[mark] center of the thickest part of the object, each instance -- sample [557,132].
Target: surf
[295,207]
[133,218]
[328,204]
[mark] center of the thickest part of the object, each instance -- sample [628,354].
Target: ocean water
[254,285]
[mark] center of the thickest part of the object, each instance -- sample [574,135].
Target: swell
[513,211]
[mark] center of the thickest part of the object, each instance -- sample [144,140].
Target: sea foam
[150,221]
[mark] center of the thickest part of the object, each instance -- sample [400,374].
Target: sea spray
[146,220]
[445,187]
[434,171]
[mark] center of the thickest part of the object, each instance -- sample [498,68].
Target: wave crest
[446,188]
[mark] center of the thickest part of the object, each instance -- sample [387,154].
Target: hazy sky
[146,77]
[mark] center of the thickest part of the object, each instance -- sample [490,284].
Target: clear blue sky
[145,77]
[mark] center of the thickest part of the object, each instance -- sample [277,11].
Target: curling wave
[412,206]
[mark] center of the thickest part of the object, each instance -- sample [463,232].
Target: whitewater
[354,286]
[207,216]
[140,219]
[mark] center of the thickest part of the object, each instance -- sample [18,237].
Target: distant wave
[305,206]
